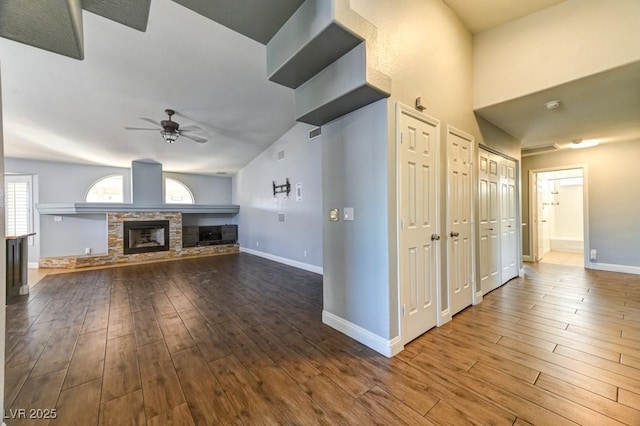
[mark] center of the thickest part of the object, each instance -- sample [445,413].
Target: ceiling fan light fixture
[168,136]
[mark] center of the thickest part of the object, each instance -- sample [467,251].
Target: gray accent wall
[259,225]
[356,253]
[613,198]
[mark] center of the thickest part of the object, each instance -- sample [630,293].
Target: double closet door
[497,220]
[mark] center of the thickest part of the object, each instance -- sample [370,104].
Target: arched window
[176,192]
[106,190]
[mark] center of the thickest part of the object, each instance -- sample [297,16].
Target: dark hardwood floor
[239,340]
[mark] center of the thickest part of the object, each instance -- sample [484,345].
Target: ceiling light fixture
[169,136]
[579,143]
[554,104]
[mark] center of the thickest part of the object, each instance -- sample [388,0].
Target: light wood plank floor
[239,340]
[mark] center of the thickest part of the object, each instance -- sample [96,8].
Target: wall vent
[525,152]
[281,217]
[281,155]
[314,133]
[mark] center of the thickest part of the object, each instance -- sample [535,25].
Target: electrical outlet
[593,255]
[305,253]
[257,243]
[87,250]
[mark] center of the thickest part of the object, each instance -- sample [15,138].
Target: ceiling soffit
[256,19]
[53,26]
[132,13]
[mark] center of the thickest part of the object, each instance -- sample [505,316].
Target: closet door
[489,221]
[508,227]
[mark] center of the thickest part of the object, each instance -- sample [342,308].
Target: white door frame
[533,230]
[404,109]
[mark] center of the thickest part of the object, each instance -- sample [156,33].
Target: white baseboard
[284,260]
[527,258]
[379,344]
[613,268]
[33,265]
[567,246]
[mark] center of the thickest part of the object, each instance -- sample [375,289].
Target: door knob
[435,237]
[455,234]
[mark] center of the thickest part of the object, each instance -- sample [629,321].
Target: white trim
[379,344]
[477,297]
[527,258]
[284,260]
[445,317]
[33,265]
[610,267]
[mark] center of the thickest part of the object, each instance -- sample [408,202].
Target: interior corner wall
[613,201]
[571,40]
[356,253]
[296,240]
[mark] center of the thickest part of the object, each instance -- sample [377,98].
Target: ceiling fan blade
[194,138]
[155,123]
[191,128]
[140,128]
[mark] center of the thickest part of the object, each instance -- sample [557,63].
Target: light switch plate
[348,214]
[334,215]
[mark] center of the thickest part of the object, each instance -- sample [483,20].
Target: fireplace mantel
[92,208]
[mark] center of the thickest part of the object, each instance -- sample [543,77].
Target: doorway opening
[558,209]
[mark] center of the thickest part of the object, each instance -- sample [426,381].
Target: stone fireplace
[143,236]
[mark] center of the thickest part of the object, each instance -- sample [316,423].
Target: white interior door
[508,227]
[418,239]
[489,223]
[459,223]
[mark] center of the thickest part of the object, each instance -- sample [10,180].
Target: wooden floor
[239,340]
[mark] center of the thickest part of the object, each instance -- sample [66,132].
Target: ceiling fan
[169,129]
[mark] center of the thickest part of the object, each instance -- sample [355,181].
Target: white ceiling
[603,107]
[57,108]
[481,15]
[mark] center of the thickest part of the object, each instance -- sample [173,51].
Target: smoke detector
[554,104]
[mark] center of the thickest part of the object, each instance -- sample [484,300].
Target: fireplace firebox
[145,236]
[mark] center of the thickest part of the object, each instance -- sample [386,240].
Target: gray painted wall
[146,183]
[206,189]
[356,254]
[56,182]
[258,225]
[614,198]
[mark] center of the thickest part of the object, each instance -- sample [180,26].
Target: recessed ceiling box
[257,19]
[55,26]
[525,152]
[132,13]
